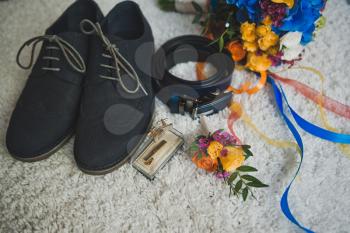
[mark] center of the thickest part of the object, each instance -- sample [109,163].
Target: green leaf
[245,168]
[167,5]
[238,186]
[197,7]
[257,184]
[234,193]
[221,43]
[250,178]
[248,153]
[199,137]
[245,193]
[194,146]
[197,18]
[214,42]
[232,177]
[246,147]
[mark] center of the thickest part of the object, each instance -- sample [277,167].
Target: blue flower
[302,18]
[247,10]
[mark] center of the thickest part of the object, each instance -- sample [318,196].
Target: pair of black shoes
[91,79]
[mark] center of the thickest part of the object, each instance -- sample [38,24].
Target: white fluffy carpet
[54,196]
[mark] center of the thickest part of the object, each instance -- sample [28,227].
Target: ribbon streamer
[308,127]
[316,130]
[200,71]
[234,116]
[345,149]
[319,98]
[246,86]
[284,200]
[310,93]
[237,110]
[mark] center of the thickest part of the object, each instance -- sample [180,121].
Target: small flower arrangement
[219,153]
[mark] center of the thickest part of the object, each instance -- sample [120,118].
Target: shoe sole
[125,160]
[45,155]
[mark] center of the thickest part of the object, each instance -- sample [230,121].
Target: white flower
[290,44]
[292,53]
[291,39]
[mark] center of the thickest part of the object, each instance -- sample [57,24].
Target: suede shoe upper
[46,111]
[112,118]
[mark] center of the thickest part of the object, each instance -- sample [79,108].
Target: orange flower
[214,149]
[205,162]
[258,63]
[233,159]
[236,50]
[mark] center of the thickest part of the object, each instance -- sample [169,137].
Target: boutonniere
[220,154]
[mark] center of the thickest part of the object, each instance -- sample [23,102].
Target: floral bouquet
[258,33]
[219,153]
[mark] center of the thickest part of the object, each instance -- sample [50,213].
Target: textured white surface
[53,195]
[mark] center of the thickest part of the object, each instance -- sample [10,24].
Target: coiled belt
[203,97]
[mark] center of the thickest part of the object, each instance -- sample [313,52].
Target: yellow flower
[233,159]
[269,40]
[262,30]
[250,46]
[248,32]
[289,3]
[214,149]
[258,63]
[267,21]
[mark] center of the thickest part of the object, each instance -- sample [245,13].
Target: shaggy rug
[54,196]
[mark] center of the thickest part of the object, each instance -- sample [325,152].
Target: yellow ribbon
[238,109]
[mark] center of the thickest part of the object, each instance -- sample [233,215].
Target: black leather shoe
[118,102]
[46,112]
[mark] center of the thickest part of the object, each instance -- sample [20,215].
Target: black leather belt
[196,97]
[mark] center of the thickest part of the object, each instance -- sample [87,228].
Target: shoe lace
[69,52]
[120,63]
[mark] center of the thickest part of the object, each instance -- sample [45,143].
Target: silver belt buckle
[195,115]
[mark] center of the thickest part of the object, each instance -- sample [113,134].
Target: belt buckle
[195,115]
[194,112]
[190,104]
[213,103]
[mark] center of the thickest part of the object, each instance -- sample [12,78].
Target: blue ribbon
[308,127]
